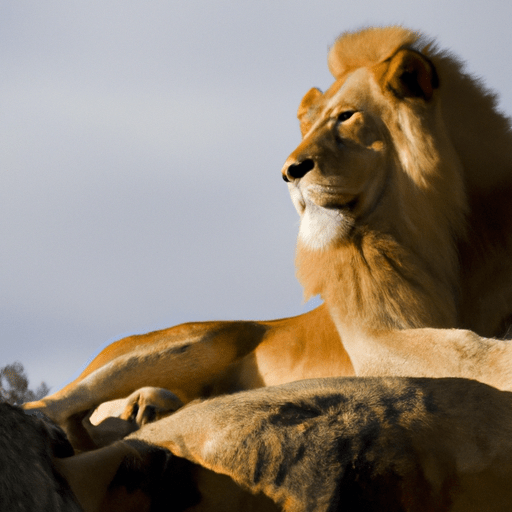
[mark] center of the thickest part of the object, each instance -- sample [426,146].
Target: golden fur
[405,225]
[398,157]
[199,360]
[373,444]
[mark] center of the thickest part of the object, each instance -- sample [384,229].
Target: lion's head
[394,155]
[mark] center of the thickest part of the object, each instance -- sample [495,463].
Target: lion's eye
[345,115]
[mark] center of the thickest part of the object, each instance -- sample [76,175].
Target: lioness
[402,182]
[367,444]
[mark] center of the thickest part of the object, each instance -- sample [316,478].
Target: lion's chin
[322,226]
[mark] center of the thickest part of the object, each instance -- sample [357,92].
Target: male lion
[394,182]
[402,182]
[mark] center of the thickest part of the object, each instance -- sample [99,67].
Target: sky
[141,145]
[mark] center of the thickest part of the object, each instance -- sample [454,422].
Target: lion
[391,183]
[354,443]
[360,443]
[402,183]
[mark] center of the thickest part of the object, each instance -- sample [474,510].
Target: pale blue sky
[140,153]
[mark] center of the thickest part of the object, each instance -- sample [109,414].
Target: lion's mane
[436,249]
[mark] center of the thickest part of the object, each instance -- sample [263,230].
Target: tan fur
[115,419]
[423,241]
[198,360]
[390,236]
[374,444]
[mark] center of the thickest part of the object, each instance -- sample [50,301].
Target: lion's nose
[298,170]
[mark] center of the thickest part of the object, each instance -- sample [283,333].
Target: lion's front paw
[150,404]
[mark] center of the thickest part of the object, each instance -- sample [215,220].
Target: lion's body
[405,225]
[373,444]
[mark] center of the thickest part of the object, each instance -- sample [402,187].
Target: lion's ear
[411,75]
[306,109]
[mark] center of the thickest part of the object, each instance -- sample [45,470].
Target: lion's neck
[372,283]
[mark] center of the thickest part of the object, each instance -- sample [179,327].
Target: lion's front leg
[188,360]
[114,420]
[432,353]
